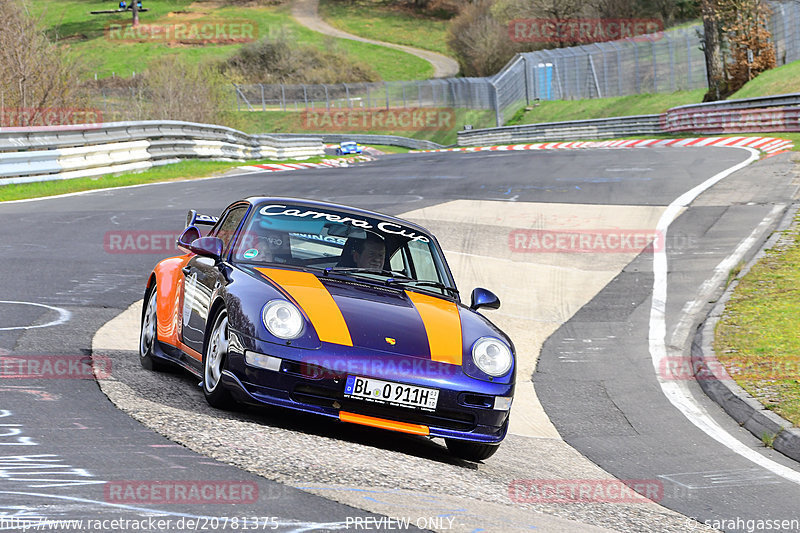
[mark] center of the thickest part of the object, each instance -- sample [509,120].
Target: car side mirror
[188,236]
[484,298]
[208,247]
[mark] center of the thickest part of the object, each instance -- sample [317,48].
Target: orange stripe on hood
[443,326]
[315,300]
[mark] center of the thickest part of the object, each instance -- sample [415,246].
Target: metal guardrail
[387,140]
[750,115]
[564,131]
[62,152]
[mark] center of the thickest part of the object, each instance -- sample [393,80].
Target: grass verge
[782,80]
[175,171]
[618,106]
[383,21]
[87,38]
[756,338]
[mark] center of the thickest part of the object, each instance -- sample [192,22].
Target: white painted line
[676,390]
[63,315]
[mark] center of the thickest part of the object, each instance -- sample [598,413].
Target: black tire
[471,451]
[148,334]
[215,359]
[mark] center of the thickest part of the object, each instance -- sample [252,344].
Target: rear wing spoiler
[194,218]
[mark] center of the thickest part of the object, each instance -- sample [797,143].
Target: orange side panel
[414,429]
[169,280]
[190,352]
[443,326]
[315,300]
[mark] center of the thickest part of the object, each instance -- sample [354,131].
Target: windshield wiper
[423,283]
[356,270]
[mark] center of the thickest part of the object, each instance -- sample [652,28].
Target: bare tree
[35,74]
[712,49]
[178,90]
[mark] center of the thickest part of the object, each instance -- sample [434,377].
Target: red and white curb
[768,145]
[330,163]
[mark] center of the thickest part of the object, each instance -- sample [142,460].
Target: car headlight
[283,319]
[492,356]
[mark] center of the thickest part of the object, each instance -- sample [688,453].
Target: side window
[227,227]
[398,263]
[421,258]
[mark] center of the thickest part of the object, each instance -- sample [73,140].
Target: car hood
[349,312]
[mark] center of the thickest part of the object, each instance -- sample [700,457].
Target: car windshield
[343,244]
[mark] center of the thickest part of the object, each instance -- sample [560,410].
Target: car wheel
[214,362]
[471,451]
[148,335]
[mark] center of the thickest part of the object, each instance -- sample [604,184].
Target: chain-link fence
[469,93]
[658,63]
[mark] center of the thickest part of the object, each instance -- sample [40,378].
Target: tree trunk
[135,7]
[713,53]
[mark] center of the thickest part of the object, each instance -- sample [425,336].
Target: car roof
[261,200]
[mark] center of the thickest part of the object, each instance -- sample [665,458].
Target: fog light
[503,403]
[262,361]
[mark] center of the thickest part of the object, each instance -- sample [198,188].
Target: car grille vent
[478,400]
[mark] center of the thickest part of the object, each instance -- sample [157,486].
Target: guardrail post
[386,90]
[283,97]
[327,99]
[263,104]
[347,96]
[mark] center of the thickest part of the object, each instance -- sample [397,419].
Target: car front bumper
[465,409]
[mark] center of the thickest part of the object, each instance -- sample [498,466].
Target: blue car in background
[348,147]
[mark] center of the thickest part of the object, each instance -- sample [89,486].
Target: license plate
[387,392]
